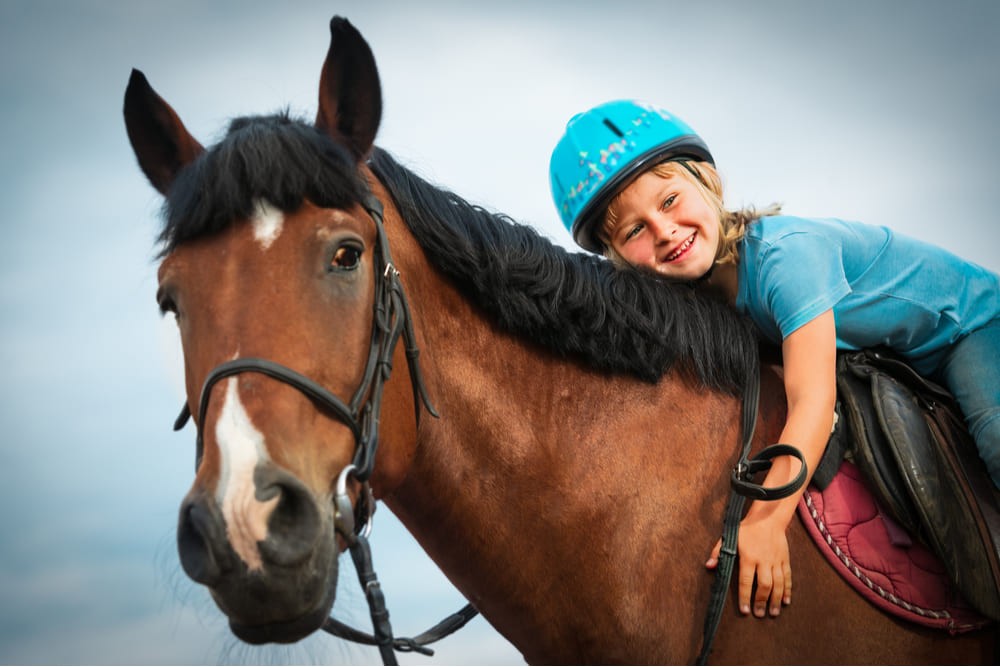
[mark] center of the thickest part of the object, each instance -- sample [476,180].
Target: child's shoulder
[774,228]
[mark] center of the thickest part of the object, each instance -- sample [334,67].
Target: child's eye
[669,200]
[633,231]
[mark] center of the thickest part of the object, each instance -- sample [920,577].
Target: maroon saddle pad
[879,559]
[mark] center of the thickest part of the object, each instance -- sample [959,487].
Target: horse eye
[346,258]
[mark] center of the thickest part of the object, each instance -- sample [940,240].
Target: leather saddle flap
[866,440]
[950,519]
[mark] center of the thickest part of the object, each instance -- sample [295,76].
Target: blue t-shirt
[885,289]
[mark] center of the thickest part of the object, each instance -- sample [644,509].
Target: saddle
[908,438]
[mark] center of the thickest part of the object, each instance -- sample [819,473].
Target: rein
[742,488]
[391,321]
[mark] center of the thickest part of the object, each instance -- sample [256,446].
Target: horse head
[272,266]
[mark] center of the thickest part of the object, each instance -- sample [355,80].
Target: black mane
[575,304]
[274,158]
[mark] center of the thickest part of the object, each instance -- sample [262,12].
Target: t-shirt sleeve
[801,276]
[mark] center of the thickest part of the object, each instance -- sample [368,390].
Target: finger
[787,598]
[713,558]
[745,586]
[777,590]
[765,581]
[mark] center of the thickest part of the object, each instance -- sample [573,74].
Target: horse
[561,450]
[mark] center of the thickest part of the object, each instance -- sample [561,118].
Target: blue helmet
[603,150]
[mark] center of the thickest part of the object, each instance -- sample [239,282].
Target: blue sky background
[879,111]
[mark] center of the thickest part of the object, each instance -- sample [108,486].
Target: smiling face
[663,223]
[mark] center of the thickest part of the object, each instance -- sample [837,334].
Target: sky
[869,110]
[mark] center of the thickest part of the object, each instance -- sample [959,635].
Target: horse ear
[350,95]
[160,141]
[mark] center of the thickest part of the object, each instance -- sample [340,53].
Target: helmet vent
[614,128]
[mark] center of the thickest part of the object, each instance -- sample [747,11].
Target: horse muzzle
[269,560]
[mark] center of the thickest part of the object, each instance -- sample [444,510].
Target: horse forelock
[273,160]
[575,304]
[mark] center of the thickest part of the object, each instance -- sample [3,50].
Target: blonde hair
[706,179]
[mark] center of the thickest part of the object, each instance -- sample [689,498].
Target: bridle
[391,321]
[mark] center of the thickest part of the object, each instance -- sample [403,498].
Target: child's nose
[665,229]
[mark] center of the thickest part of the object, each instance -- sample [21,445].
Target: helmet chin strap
[686,163]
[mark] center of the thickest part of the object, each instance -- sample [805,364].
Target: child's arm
[809,355]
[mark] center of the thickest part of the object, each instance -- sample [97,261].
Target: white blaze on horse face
[267,223]
[241,450]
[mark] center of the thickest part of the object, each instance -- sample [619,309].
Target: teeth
[684,246]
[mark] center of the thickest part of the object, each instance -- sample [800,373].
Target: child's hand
[810,362]
[763,555]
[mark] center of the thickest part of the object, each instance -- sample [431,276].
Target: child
[637,184]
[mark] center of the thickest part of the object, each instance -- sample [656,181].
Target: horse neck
[534,457]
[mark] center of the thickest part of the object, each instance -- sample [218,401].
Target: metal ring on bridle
[343,510]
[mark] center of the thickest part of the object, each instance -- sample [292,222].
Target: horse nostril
[194,543]
[294,526]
